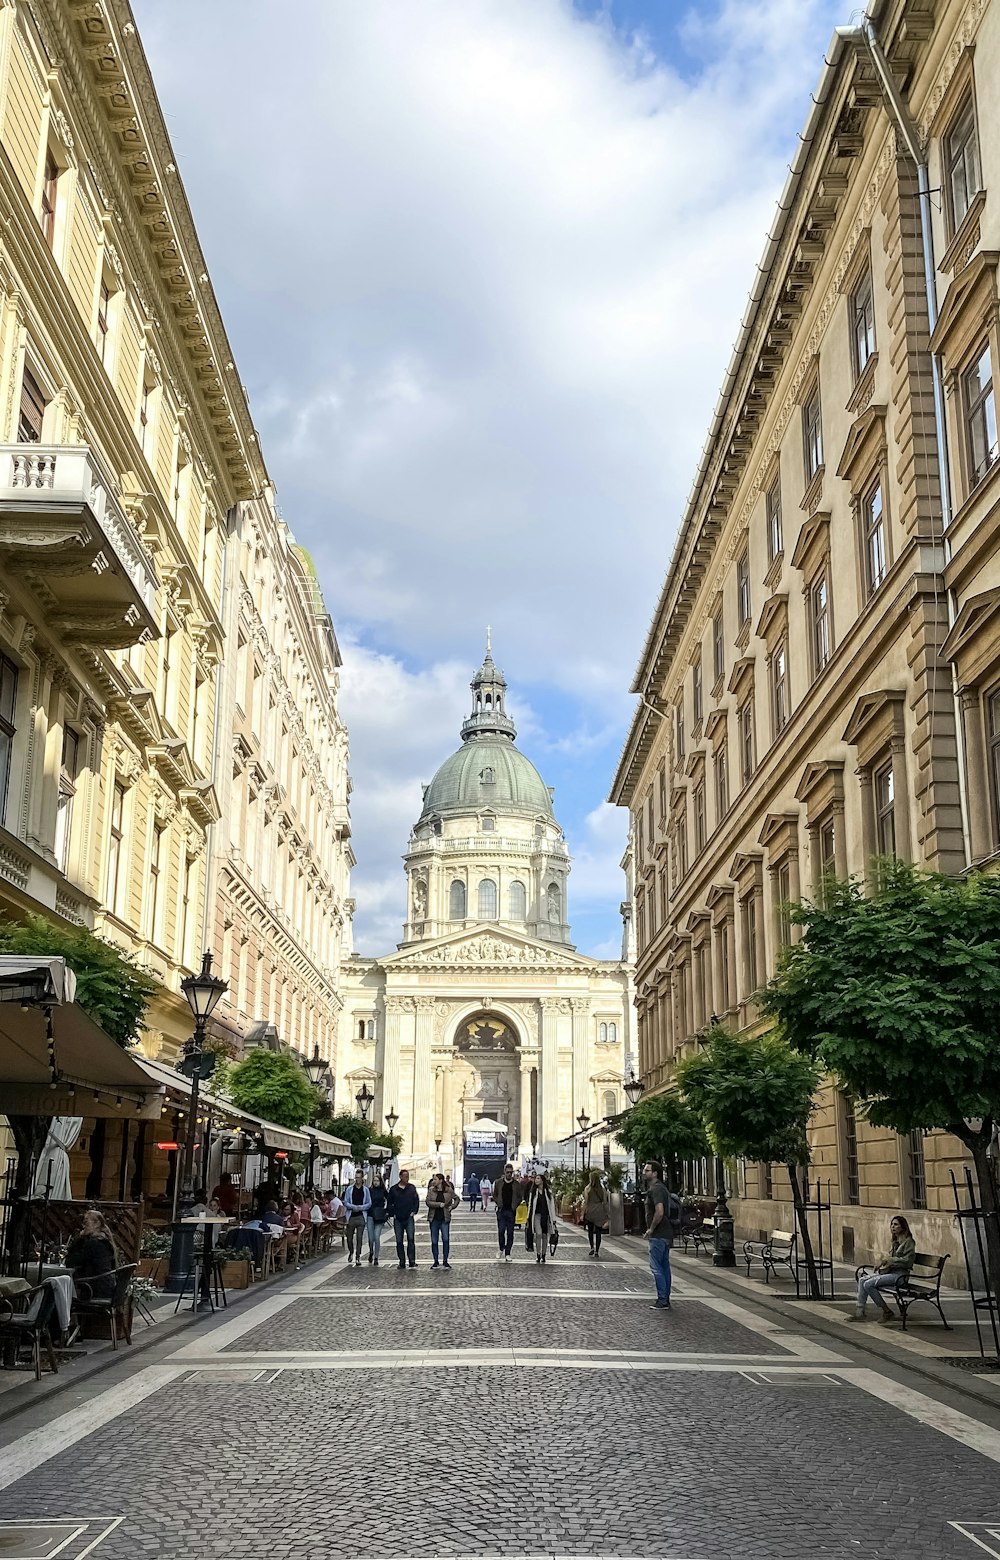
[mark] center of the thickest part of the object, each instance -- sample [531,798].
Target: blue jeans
[440,1228]
[659,1266]
[868,1289]
[375,1228]
[505,1230]
[405,1228]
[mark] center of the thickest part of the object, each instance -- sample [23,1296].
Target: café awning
[328,1145]
[93,1076]
[282,1138]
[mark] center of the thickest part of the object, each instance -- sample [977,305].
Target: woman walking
[378,1212]
[596,1212]
[358,1201]
[442,1199]
[541,1216]
[889,1273]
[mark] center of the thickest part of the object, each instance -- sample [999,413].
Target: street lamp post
[391,1119]
[583,1122]
[203,991]
[319,1075]
[365,1099]
[634,1090]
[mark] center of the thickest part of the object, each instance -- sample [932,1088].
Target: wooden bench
[780,1250]
[923,1282]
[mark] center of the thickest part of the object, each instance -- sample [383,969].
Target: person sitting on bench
[889,1273]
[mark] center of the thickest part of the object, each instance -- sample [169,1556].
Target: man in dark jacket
[404,1200]
[506,1197]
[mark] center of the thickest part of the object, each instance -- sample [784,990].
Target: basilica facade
[485,1011]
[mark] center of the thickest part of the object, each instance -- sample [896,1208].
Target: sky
[482,263]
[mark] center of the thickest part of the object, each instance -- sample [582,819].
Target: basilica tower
[486,847]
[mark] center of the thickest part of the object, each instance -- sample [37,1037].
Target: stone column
[391,1091]
[524,1125]
[901,798]
[839,829]
[423,1077]
[548,1077]
[581,1057]
[977,769]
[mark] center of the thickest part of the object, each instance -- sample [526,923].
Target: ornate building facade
[140,560]
[820,681]
[486,1009]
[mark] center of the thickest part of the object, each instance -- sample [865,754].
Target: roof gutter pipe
[864,38]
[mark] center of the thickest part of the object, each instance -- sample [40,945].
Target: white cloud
[482,265]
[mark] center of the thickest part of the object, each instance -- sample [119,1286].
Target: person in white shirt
[486,1191]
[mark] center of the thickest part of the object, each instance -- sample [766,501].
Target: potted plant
[237,1266]
[154,1254]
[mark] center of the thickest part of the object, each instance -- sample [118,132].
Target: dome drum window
[518,902]
[487,900]
[457,901]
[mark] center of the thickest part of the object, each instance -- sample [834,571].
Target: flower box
[238,1275]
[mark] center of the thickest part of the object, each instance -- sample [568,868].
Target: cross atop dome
[489,690]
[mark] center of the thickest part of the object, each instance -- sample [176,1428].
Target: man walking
[358,1200]
[404,1200]
[659,1232]
[506,1195]
[473,1191]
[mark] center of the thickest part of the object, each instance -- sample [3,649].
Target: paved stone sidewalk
[712,1432]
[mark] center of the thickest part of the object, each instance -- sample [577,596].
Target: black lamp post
[319,1074]
[634,1090]
[583,1122]
[391,1120]
[203,991]
[365,1099]
[724,1255]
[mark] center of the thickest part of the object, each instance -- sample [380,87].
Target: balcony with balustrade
[65,533]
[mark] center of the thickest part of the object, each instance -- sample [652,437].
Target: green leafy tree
[756,1097]
[352,1129]
[273,1085]
[109,988]
[666,1129]
[897,994]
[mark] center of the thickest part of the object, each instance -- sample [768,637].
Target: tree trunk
[978,1144]
[802,1220]
[29,1133]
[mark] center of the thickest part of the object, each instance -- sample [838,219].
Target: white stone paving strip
[38,1446]
[230,1332]
[452,1292]
[938,1416]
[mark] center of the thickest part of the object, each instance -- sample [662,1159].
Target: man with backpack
[663,1217]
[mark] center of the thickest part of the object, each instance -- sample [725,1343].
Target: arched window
[456,901]
[602,1033]
[487,900]
[371,1029]
[361,1029]
[612,1034]
[554,906]
[610,1103]
[518,902]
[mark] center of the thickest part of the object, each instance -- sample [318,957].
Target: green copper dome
[488,771]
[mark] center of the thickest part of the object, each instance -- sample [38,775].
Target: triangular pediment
[487,947]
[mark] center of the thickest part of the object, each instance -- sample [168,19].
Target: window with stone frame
[679,728]
[873,536]
[915,1169]
[487,900]
[68,770]
[812,432]
[116,848]
[50,196]
[744,606]
[747,871]
[850,1173]
[818,597]
[661,783]
[718,644]
[993,742]
[862,313]
[885,810]
[457,896]
[745,732]
[722,781]
[698,814]
[960,162]
[775,532]
[8,729]
[697,691]
[980,416]
[681,844]
[31,411]
[780,699]
[783,895]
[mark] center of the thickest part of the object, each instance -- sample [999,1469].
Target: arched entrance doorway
[486,1071]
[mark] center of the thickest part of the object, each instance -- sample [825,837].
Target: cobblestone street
[500,1410]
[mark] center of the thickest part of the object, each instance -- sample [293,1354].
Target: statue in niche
[419,899]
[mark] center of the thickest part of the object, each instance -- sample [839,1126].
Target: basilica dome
[487,772]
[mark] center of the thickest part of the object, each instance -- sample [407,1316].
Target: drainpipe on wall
[863,37]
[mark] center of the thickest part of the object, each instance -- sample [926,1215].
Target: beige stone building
[168,673]
[281,907]
[821,679]
[486,1009]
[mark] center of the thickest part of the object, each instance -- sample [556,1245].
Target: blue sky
[482,263]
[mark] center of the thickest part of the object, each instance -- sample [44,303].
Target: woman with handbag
[541,1216]
[596,1212]
[378,1212]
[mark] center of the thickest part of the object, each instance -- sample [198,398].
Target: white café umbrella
[52,1170]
